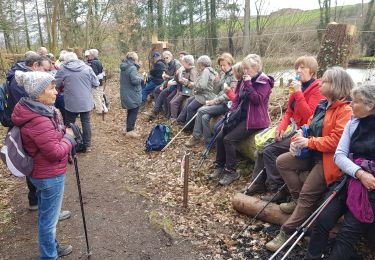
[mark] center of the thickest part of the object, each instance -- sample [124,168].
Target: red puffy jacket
[42,141]
[304,107]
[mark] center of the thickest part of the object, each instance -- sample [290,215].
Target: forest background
[196,26]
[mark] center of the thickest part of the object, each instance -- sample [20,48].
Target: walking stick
[256,178]
[79,140]
[168,144]
[261,210]
[204,155]
[309,221]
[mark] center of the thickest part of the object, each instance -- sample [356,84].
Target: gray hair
[30,53]
[189,59]
[94,53]
[366,92]
[253,61]
[132,55]
[69,56]
[204,60]
[341,82]
[167,53]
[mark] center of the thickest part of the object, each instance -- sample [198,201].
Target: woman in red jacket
[46,140]
[301,105]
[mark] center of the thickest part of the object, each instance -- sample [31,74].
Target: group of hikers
[334,118]
[44,96]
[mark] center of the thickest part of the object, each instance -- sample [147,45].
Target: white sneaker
[133,134]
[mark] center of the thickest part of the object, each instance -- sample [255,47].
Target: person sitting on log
[248,114]
[355,156]
[301,105]
[314,153]
[168,86]
[217,106]
[185,83]
[203,91]
[155,77]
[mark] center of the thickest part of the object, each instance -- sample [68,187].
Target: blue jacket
[16,92]
[130,85]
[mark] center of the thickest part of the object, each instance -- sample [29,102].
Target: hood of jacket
[28,109]
[18,66]
[75,65]
[127,63]
[265,79]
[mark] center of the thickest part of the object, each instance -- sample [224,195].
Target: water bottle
[291,89]
[298,150]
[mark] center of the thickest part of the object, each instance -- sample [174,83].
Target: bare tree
[246,29]
[26,24]
[261,22]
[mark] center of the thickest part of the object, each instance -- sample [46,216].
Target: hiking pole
[309,221]
[168,144]
[79,141]
[81,203]
[261,210]
[256,178]
[204,155]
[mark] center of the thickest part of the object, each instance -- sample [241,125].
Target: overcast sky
[274,5]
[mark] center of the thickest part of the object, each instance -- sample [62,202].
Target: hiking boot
[218,172]
[229,177]
[133,134]
[33,207]
[65,214]
[288,207]
[280,197]
[277,242]
[64,250]
[255,188]
[193,141]
[151,115]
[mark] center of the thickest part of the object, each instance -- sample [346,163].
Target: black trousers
[349,234]
[131,118]
[33,200]
[226,145]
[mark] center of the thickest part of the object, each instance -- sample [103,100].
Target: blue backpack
[5,111]
[158,138]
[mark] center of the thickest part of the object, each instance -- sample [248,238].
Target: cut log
[336,46]
[250,206]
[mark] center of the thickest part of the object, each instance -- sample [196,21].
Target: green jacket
[204,85]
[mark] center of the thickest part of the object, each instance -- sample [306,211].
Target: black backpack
[5,110]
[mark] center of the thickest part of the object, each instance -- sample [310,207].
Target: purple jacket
[257,105]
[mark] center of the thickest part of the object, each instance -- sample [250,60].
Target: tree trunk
[336,47]
[39,26]
[246,29]
[160,19]
[191,24]
[250,206]
[213,30]
[368,39]
[26,25]
[4,26]
[150,16]
[55,6]
[88,24]
[208,27]
[48,23]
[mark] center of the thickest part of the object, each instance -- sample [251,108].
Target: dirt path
[123,223]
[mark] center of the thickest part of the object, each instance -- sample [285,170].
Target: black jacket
[157,71]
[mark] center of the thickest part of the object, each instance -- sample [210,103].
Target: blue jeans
[148,89]
[86,125]
[50,193]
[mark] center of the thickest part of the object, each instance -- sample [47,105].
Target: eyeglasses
[166,58]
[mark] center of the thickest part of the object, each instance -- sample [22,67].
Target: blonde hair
[238,70]
[253,61]
[132,55]
[225,57]
[309,62]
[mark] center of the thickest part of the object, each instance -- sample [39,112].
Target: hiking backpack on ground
[158,138]
[5,111]
[14,156]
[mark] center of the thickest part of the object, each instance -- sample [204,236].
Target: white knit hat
[34,82]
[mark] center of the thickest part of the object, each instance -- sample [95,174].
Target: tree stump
[336,46]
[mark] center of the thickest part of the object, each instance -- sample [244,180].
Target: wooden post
[185,178]
[336,46]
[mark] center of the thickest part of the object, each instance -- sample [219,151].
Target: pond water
[358,74]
